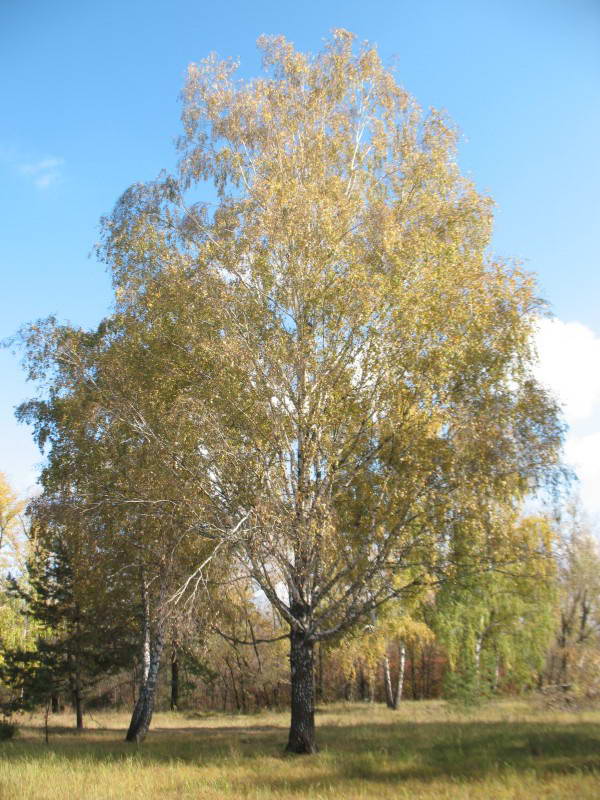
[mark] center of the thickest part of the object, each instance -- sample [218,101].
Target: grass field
[507,749]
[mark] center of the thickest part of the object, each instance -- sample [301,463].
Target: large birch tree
[365,366]
[351,382]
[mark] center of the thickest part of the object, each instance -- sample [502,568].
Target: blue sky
[90,105]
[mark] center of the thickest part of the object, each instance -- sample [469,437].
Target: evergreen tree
[82,635]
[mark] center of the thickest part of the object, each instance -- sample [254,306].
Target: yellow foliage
[11,525]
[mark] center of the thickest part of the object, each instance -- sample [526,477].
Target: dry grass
[425,750]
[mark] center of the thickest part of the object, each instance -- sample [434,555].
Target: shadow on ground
[375,752]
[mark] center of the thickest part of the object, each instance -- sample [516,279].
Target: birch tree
[100,394]
[359,383]
[336,378]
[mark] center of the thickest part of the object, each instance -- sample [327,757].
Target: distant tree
[363,652]
[12,524]
[497,624]
[574,658]
[13,527]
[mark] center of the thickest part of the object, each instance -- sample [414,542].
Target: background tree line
[537,630]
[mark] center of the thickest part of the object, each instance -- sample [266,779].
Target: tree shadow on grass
[389,755]
[369,753]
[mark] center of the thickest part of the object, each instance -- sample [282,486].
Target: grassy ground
[425,750]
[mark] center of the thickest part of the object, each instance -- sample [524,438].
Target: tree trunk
[46,731]
[387,682]
[428,661]
[243,692]
[151,655]
[363,684]
[302,728]
[145,627]
[77,693]
[142,713]
[319,686]
[233,685]
[55,704]
[400,681]
[478,648]
[242,667]
[174,680]
[75,686]
[496,675]
[413,673]
[78,707]
[564,667]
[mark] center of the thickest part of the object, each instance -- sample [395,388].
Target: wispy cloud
[44,172]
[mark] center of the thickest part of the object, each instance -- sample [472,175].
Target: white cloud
[583,454]
[570,366]
[44,172]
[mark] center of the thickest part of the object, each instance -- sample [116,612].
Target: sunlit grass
[508,749]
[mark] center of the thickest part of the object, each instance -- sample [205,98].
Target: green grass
[426,750]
